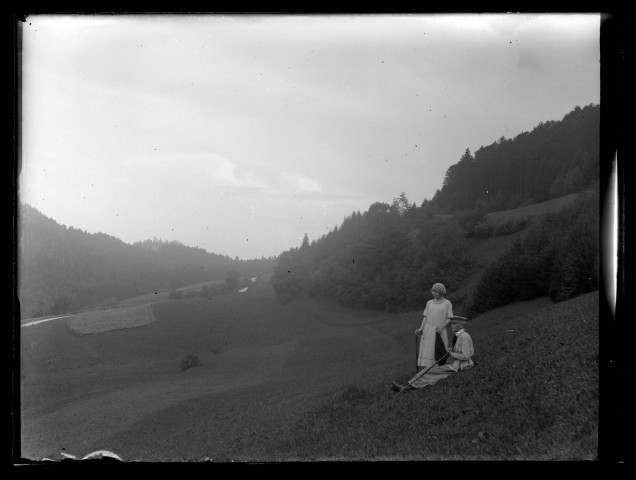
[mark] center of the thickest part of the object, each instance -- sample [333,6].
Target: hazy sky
[238,134]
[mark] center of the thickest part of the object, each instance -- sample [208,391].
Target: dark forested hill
[389,256]
[62,269]
[556,158]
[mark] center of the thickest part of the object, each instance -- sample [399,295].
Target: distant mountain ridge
[62,269]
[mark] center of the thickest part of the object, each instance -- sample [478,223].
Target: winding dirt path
[28,324]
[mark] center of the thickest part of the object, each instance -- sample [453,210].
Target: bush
[558,257]
[291,275]
[470,219]
[483,229]
[508,227]
[232,281]
[576,268]
[208,291]
[287,288]
[516,275]
[189,361]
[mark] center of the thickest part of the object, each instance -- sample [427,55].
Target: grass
[532,396]
[121,390]
[308,381]
[99,321]
[483,251]
[553,205]
[487,249]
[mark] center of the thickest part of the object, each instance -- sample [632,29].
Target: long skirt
[435,374]
[432,346]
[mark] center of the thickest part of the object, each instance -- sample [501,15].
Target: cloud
[223,172]
[300,183]
[242,123]
[201,172]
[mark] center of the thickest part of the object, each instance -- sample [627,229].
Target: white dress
[436,315]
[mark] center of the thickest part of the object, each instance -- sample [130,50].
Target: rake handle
[416,353]
[422,373]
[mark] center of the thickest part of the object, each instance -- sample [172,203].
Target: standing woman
[436,316]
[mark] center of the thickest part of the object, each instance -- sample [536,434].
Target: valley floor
[264,368]
[262,364]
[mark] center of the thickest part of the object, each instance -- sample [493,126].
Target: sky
[238,134]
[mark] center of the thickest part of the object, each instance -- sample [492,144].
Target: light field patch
[554,205]
[112,319]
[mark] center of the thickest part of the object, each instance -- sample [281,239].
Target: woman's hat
[458,320]
[439,288]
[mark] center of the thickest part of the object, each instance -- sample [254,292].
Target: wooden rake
[423,372]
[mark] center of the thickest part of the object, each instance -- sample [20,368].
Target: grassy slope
[309,381]
[103,320]
[262,364]
[553,205]
[484,251]
[533,395]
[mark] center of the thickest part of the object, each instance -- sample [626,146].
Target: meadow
[104,320]
[533,210]
[308,381]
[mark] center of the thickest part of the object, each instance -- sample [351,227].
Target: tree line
[558,257]
[389,256]
[64,269]
[386,258]
[556,158]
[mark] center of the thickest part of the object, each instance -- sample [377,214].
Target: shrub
[508,227]
[483,229]
[558,257]
[576,268]
[232,280]
[208,291]
[287,288]
[189,361]
[468,220]
[291,275]
[516,275]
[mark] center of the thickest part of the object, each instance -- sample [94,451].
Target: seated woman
[461,352]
